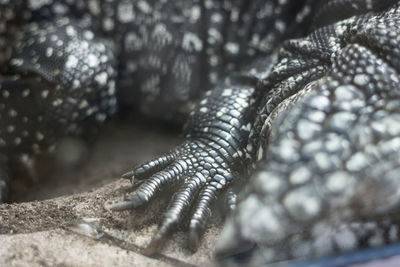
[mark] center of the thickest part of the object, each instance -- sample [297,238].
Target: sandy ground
[34,229]
[35,232]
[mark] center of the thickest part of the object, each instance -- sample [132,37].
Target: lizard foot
[201,173]
[210,160]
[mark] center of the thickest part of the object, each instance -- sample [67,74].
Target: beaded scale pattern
[295,99]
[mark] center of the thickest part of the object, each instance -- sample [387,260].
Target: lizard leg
[328,179]
[203,166]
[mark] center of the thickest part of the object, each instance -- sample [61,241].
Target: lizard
[68,65]
[326,181]
[80,61]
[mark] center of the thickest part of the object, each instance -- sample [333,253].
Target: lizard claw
[201,173]
[150,167]
[202,168]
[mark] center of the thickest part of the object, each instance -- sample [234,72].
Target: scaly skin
[328,180]
[70,64]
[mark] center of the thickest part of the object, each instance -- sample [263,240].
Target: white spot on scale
[26,92]
[339,182]
[307,129]
[144,7]
[101,117]
[232,48]
[203,109]
[94,7]
[70,30]
[10,128]
[17,140]
[302,204]
[214,36]
[17,62]
[125,12]
[361,79]
[192,42]
[57,102]
[269,182]
[300,175]
[161,35]
[249,147]
[280,25]
[45,93]
[49,51]
[12,113]
[357,162]
[216,18]
[88,35]
[101,78]
[103,58]
[72,62]
[75,84]
[83,104]
[93,61]
[195,13]
[108,24]
[370,69]
[36,4]
[42,39]
[227,92]
[6,93]
[246,127]
[204,101]
[90,111]
[259,218]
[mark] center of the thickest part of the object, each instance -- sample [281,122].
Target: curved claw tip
[127,175]
[154,245]
[125,205]
[194,241]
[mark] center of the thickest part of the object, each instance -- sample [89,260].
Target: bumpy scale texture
[316,118]
[327,181]
[68,65]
